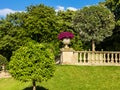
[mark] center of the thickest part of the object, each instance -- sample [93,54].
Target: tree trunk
[93,45]
[34,85]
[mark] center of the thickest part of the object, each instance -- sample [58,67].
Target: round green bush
[33,62]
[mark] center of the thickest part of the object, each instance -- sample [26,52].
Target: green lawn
[73,78]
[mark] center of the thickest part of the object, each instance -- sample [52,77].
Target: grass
[73,78]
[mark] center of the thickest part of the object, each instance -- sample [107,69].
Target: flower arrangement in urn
[65,37]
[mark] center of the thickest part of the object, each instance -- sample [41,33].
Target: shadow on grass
[37,88]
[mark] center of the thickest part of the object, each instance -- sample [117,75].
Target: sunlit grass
[73,78]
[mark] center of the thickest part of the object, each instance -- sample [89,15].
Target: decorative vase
[66,42]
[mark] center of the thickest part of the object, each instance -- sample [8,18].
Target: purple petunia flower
[63,35]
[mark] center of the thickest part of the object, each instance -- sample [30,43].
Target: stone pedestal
[68,56]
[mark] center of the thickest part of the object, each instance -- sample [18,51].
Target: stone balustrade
[90,58]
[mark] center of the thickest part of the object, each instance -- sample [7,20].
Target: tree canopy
[41,23]
[112,42]
[38,23]
[12,34]
[94,23]
[33,62]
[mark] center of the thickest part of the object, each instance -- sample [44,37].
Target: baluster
[104,58]
[80,57]
[88,56]
[108,58]
[115,57]
[84,59]
[112,59]
[91,57]
[98,60]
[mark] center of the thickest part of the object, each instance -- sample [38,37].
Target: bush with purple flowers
[63,35]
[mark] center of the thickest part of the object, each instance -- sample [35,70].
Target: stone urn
[66,42]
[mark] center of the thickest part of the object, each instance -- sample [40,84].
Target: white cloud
[61,8]
[5,11]
[72,8]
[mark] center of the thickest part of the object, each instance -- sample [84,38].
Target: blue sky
[7,6]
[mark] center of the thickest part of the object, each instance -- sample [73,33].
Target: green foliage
[114,7]
[33,62]
[38,23]
[76,42]
[65,20]
[12,34]
[42,26]
[94,23]
[65,24]
[3,61]
[41,23]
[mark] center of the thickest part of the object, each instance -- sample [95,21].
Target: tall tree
[113,42]
[41,23]
[94,23]
[33,62]
[38,23]
[12,33]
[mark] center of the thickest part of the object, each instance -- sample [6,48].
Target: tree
[41,23]
[114,7]
[65,20]
[94,23]
[33,62]
[12,33]
[38,23]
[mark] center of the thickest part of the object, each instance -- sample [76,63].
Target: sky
[11,6]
